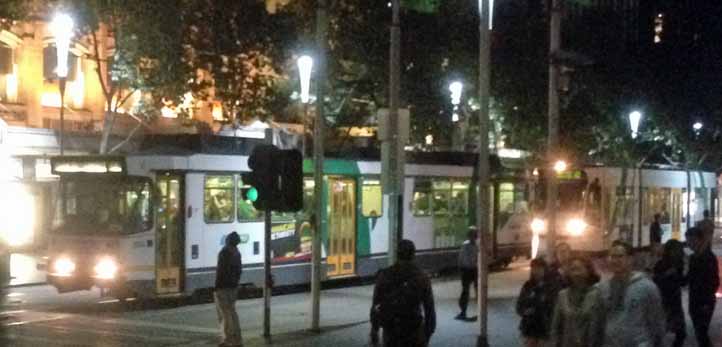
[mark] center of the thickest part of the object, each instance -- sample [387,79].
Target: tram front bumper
[69,283]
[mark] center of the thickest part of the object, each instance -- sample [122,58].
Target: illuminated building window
[8,75]
[658,28]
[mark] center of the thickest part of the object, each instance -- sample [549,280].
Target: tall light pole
[305,67]
[555,25]
[62,29]
[482,210]
[320,221]
[392,162]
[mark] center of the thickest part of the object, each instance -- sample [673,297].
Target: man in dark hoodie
[228,273]
[402,293]
[703,277]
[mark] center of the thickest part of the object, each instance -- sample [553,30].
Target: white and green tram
[151,223]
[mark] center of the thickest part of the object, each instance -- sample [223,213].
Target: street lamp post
[456,88]
[62,29]
[635,117]
[305,66]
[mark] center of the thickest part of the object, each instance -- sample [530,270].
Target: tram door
[169,235]
[341,256]
[676,217]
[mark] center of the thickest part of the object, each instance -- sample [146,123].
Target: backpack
[398,306]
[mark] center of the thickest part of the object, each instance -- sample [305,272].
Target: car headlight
[576,226]
[63,266]
[106,268]
[538,225]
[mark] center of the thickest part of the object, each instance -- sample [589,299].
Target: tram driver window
[371,198]
[218,199]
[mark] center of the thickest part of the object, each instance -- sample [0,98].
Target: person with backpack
[669,277]
[403,303]
[535,305]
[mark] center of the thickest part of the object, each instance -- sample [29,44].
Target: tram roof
[190,144]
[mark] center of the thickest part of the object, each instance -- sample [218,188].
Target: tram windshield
[105,205]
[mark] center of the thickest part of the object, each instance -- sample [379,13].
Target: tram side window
[245,209]
[657,201]
[441,197]
[420,204]
[371,198]
[218,199]
[459,203]
[512,199]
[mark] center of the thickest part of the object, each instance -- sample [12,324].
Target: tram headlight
[538,226]
[576,226]
[63,266]
[106,268]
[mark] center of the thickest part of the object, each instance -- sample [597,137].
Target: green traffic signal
[252,194]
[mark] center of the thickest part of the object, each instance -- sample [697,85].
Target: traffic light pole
[482,209]
[267,288]
[321,25]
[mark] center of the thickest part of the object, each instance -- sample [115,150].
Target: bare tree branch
[127,139]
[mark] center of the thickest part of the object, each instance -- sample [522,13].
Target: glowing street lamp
[456,88]
[560,166]
[697,126]
[634,118]
[62,29]
[305,67]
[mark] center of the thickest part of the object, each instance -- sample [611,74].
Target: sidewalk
[344,316]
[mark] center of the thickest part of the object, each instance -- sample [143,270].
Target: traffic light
[289,167]
[262,176]
[276,179]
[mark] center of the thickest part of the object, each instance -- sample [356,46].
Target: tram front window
[571,196]
[105,206]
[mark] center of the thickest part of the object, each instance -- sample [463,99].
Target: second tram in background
[598,205]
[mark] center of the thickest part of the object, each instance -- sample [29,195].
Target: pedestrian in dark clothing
[402,293]
[558,268]
[707,226]
[669,277]
[655,230]
[468,256]
[535,305]
[703,279]
[228,274]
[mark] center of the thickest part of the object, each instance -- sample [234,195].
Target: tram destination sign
[87,165]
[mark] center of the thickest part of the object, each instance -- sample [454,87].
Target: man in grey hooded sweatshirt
[634,313]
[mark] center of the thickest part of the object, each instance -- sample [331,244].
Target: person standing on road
[633,307]
[535,305]
[228,274]
[655,242]
[401,293]
[468,256]
[578,319]
[703,278]
[669,278]
[559,266]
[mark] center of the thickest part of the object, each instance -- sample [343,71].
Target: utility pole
[555,29]
[392,161]
[321,25]
[482,208]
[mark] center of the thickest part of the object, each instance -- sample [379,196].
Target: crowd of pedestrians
[564,304]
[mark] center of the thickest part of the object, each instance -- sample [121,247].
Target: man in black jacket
[703,277]
[401,292]
[228,273]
